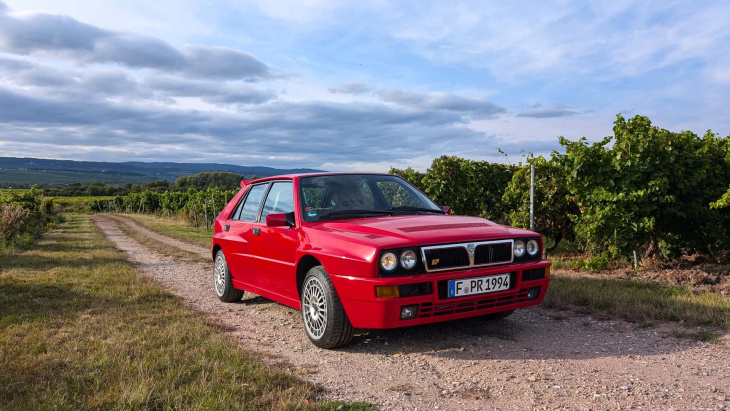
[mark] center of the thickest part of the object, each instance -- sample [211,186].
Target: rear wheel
[324,318]
[498,316]
[222,282]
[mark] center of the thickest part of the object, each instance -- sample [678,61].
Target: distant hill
[16,171]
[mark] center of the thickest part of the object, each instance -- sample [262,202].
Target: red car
[370,251]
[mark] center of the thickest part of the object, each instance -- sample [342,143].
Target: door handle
[226,227]
[256,231]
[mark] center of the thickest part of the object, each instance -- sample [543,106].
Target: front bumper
[365,310]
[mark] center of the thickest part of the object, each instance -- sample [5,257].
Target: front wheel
[324,318]
[222,282]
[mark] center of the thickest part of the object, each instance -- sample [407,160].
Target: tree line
[199,181]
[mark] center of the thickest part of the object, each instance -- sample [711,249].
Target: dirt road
[537,358]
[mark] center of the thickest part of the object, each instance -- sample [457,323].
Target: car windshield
[360,195]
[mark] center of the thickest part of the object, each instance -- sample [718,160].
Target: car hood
[418,230]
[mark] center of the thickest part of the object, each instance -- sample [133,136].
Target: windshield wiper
[409,208]
[343,213]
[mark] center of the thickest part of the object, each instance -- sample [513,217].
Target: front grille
[465,255]
[427,310]
[443,258]
[493,253]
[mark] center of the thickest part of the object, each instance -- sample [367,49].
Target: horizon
[347,86]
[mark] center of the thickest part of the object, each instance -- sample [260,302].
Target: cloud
[14,64]
[211,92]
[278,133]
[65,37]
[548,113]
[350,87]
[223,63]
[474,108]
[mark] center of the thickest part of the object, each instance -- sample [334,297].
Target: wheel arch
[216,248]
[306,263]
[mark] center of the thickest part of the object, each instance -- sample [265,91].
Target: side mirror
[447,209]
[280,220]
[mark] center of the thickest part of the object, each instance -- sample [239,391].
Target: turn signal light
[387,291]
[547,272]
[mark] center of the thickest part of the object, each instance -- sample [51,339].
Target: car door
[274,248]
[240,227]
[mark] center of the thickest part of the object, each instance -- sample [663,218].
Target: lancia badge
[434,261]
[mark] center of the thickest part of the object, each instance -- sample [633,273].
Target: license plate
[479,285]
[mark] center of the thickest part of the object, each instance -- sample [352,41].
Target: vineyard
[198,207]
[645,190]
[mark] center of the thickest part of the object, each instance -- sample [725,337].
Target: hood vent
[374,236]
[441,227]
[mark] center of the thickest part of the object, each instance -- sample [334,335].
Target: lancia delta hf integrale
[369,251]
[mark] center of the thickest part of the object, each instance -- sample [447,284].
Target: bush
[469,187]
[554,208]
[650,190]
[24,217]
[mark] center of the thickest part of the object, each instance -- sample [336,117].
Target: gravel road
[537,358]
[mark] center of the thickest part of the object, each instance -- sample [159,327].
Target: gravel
[537,358]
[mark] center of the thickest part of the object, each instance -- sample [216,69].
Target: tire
[222,283]
[324,319]
[498,316]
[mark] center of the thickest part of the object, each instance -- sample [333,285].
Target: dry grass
[160,247]
[638,301]
[80,328]
[175,229]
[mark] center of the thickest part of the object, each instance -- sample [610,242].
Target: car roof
[295,176]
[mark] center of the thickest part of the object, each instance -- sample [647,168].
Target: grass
[175,229]
[703,336]
[160,247]
[638,300]
[80,328]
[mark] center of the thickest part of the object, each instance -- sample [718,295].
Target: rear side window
[250,209]
[279,200]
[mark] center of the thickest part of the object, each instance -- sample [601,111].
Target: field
[80,328]
[22,177]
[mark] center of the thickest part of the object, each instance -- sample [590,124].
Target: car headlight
[532,247]
[408,259]
[519,248]
[388,261]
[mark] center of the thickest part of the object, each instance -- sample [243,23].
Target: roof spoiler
[244,183]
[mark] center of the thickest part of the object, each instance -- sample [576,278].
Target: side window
[237,211]
[250,209]
[279,200]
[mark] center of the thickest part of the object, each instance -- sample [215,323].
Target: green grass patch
[175,229]
[703,336]
[80,328]
[639,301]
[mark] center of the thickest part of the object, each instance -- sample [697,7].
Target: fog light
[408,312]
[533,293]
[387,291]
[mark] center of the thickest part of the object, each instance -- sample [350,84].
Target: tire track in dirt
[537,358]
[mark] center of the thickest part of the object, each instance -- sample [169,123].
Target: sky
[350,85]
